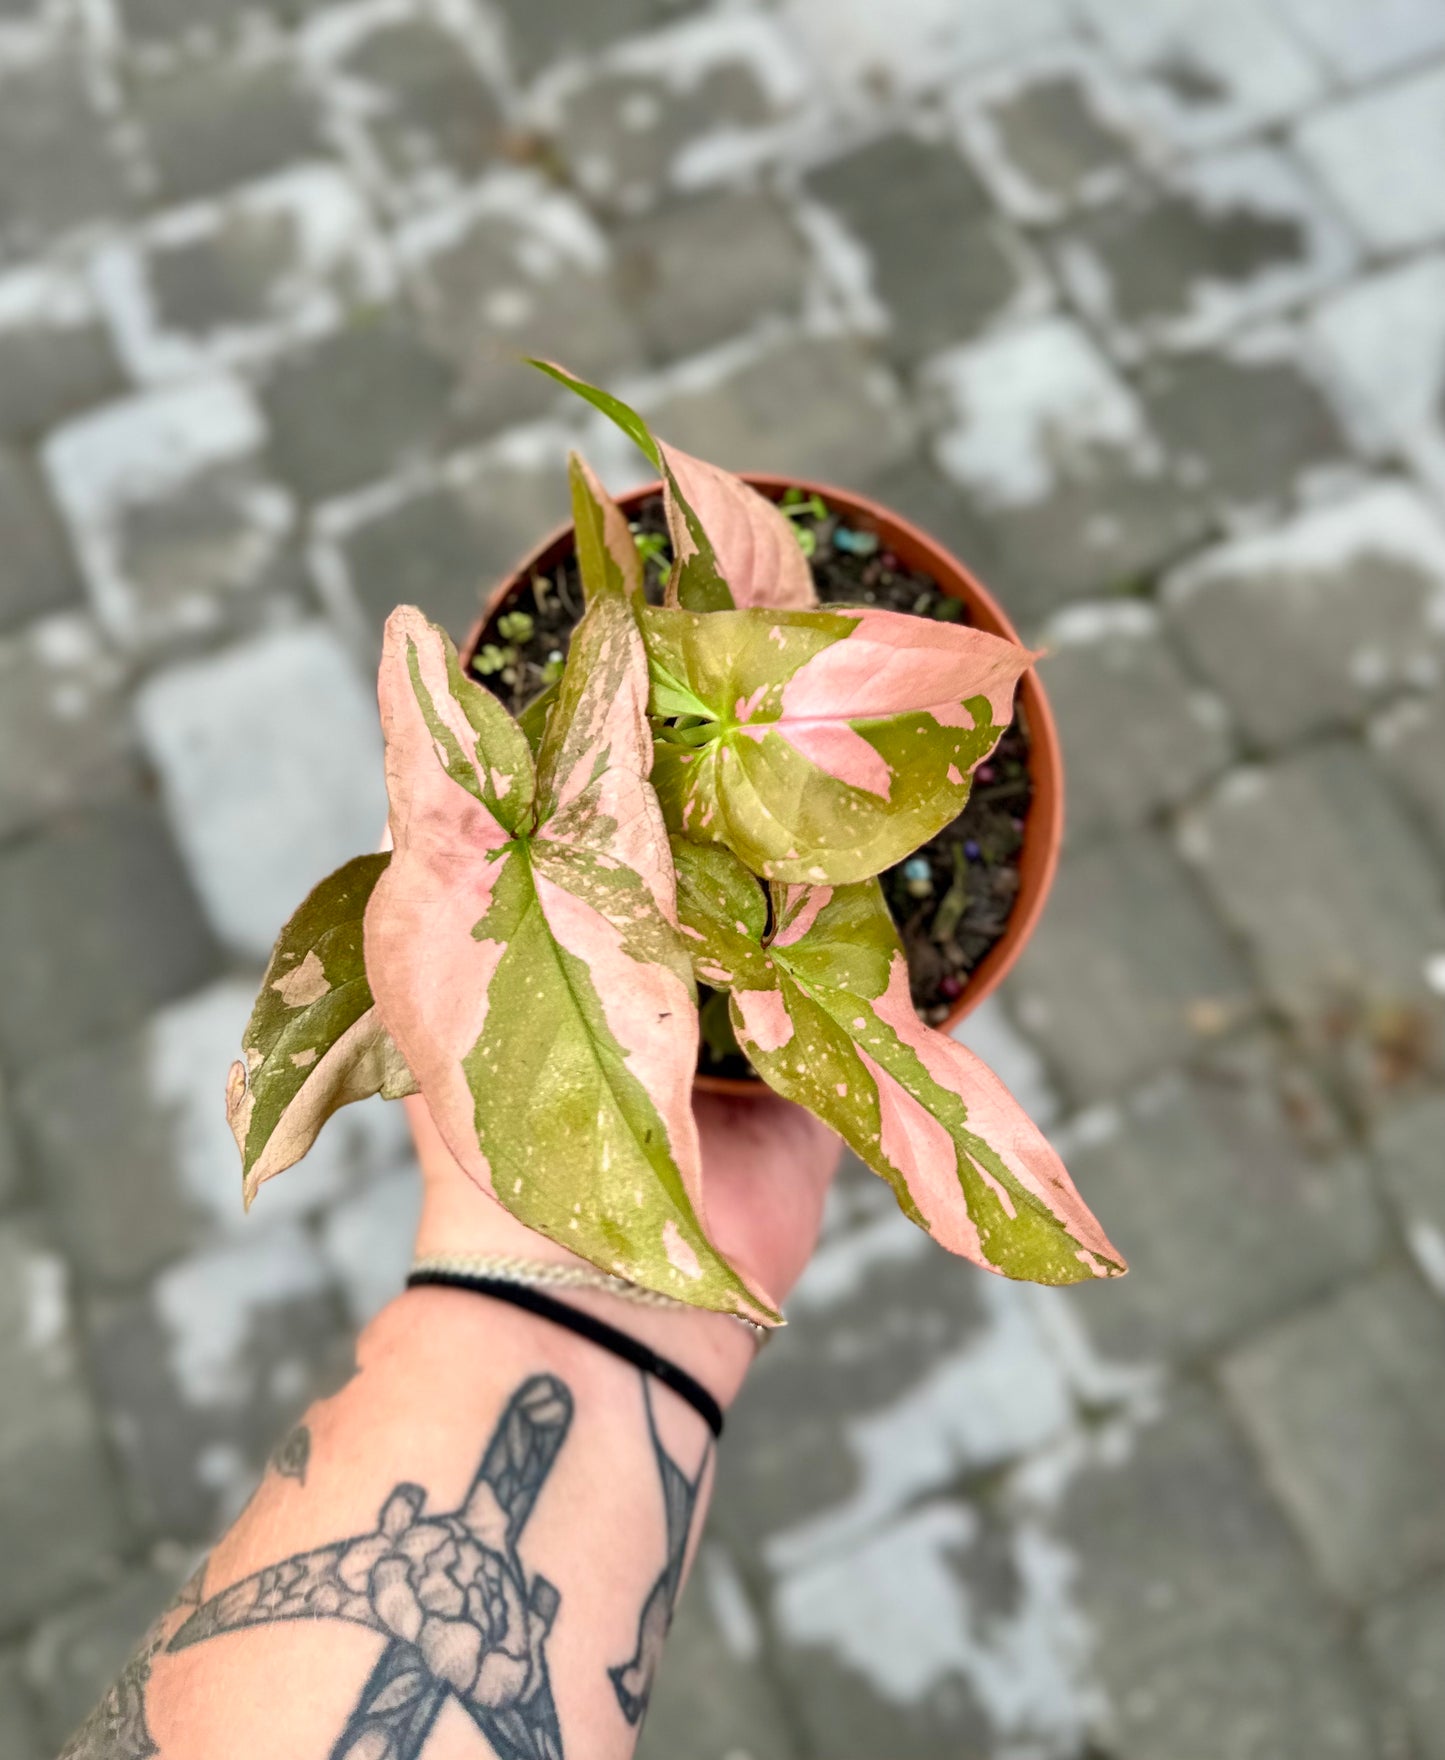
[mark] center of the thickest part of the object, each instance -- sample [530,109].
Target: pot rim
[1044,826]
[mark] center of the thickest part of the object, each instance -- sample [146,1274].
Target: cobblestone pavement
[1140,304]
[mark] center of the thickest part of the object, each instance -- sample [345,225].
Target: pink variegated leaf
[607,557]
[822,746]
[731,546]
[823,1013]
[531,971]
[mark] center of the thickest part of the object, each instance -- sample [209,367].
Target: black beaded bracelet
[598,1332]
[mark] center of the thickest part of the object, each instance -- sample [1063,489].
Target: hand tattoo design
[449,1593]
[632,1681]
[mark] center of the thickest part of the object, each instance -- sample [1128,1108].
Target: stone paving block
[1406,1637]
[40,574]
[1371,154]
[1051,133]
[1227,1217]
[206,128]
[699,273]
[65,734]
[99,926]
[674,111]
[714,1699]
[1208,1632]
[1249,422]
[1179,261]
[367,1239]
[1345,1405]
[1315,622]
[1409,740]
[55,357]
[1405,1148]
[1382,343]
[1360,39]
[258,824]
[60,1526]
[819,407]
[201,25]
[75,1655]
[9,1151]
[907,200]
[408,92]
[58,169]
[1128,971]
[355,407]
[1315,868]
[20,1737]
[1206,71]
[1056,453]
[543,31]
[514,268]
[231,282]
[203,1374]
[1138,734]
[179,528]
[146,1170]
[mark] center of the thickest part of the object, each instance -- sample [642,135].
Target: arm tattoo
[632,1681]
[449,1594]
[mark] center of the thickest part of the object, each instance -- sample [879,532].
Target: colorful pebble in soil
[918,877]
[971,849]
[950,986]
[853,543]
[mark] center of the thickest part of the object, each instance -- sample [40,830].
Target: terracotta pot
[1044,826]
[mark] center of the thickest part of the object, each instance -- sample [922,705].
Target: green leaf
[607,557]
[612,407]
[535,977]
[533,719]
[823,1013]
[315,1040]
[827,745]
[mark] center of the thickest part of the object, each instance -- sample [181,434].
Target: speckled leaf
[823,1013]
[607,558]
[315,1040]
[533,974]
[732,546]
[822,746]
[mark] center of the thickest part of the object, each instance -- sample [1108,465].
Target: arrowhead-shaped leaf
[531,970]
[823,746]
[315,1040]
[732,546]
[824,1015]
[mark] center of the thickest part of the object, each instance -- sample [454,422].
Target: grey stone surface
[1128,971]
[9,1150]
[819,408]
[1137,733]
[1340,911]
[223,123]
[1361,38]
[1210,1634]
[1406,1150]
[1409,741]
[1204,1179]
[1346,1405]
[1057,456]
[355,407]
[540,31]
[65,733]
[60,1520]
[1177,263]
[58,168]
[40,573]
[904,199]
[1341,606]
[75,1655]
[20,1737]
[54,355]
[1406,1637]
[99,925]
[204,1373]
[698,275]
[247,716]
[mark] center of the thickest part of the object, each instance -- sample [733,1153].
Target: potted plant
[701,792]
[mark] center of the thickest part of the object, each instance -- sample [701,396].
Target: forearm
[471,1544]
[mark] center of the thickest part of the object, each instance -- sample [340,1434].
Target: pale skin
[480,1454]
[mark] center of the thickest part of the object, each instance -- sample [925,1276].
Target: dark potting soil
[952,898]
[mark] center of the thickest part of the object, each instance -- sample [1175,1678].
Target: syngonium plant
[708,793]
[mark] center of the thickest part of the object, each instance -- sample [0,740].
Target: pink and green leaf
[534,974]
[824,745]
[315,1040]
[827,1021]
[731,546]
[607,558]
